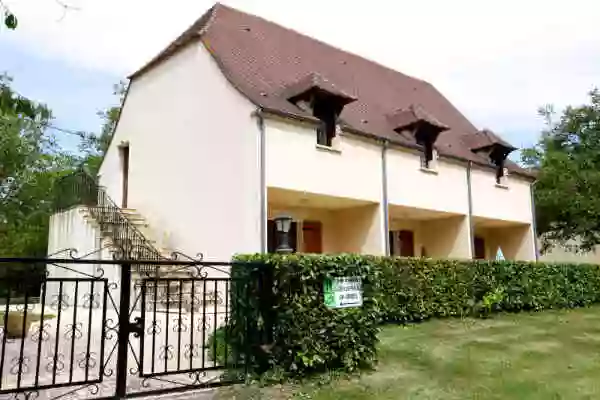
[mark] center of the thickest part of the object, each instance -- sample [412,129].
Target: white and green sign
[343,292]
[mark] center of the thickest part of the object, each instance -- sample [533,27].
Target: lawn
[546,355]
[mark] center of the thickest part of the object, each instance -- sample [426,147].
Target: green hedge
[417,289]
[280,320]
[282,303]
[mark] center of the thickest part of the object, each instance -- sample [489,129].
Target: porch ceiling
[292,198]
[417,214]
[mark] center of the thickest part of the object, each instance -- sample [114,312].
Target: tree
[30,163]
[567,191]
[94,146]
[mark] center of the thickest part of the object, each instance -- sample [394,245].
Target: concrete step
[107,236]
[135,219]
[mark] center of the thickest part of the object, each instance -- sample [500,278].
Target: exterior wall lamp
[283,224]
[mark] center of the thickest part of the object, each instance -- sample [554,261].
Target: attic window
[319,97]
[424,128]
[496,150]
[327,115]
[429,157]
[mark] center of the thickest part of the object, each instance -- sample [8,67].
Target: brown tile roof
[262,59]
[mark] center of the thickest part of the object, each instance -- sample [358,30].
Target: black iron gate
[86,327]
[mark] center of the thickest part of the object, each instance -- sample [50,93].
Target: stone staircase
[138,221]
[124,232]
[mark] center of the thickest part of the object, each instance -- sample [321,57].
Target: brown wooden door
[312,237]
[479,245]
[125,174]
[407,243]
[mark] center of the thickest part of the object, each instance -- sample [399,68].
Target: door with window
[124,150]
[402,243]
[312,237]
[479,245]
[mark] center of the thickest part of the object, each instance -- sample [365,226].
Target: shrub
[414,289]
[218,349]
[279,319]
[284,304]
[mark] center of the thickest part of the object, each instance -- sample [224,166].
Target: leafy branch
[11,21]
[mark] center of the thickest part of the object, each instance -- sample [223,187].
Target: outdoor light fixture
[283,223]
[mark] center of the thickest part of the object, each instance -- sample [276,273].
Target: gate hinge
[136,327]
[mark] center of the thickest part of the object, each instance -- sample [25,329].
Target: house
[240,119]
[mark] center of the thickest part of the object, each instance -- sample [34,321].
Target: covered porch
[514,239]
[326,224]
[417,232]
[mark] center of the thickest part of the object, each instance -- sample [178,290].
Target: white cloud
[497,61]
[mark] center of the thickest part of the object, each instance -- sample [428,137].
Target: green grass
[546,355]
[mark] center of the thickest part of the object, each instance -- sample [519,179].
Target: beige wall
[516,242]
[293,161]
[194,160]
[350,230]
[447,237]
[410,186]
[561,254]
[441,238]
[360,230]
[510,203]
[299,214]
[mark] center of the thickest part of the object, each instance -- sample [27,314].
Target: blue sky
[496,61]
[73,93]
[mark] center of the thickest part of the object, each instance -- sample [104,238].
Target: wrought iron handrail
[79,188]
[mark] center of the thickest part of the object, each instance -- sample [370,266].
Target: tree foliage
[567,191]
[30,162]
[93,146]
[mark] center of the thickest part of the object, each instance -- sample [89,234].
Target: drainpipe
[470,197]
[533,222]
[263,180]
[384,197]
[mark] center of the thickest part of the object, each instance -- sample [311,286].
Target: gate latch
[136,327]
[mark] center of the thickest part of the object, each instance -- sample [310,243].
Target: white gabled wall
[194,160]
